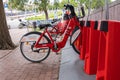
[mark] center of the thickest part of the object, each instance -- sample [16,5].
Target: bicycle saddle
[41,26]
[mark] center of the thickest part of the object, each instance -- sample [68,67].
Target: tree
[95,4]
[42,5]
[61,5]
[73,2]
[5,39]
[50,7]
[56,3]
[17,4]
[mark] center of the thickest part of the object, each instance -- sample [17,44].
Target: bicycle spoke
[35,54]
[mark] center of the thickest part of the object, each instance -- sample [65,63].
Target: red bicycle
[36,46]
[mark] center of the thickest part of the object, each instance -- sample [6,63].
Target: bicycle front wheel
[34,54]
[75,40]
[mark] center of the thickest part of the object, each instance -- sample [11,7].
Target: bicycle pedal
[59,52]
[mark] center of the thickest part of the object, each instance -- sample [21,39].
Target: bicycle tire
[28,57]
[73,43]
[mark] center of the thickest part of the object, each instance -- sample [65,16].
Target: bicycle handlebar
[71,8]
[83,12]
[66,6]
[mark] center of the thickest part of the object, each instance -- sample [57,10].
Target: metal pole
[106,10]
[79,5]
[25,12]
[89,9]
[68,1]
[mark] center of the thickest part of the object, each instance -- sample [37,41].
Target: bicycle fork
[55,44]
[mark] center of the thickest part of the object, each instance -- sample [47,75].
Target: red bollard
[92,45]
[102,50]
[112,62]
[109,51]
[85,37]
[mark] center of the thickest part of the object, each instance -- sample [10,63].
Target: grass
[42,16]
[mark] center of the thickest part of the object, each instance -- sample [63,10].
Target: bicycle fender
[28,38]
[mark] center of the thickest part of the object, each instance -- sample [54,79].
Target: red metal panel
[109,52]
[92,50]
[85,37]
[83,46]
[112,65]
[101,52]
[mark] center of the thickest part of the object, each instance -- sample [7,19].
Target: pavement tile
[15,67]
[72,68]
[3,53]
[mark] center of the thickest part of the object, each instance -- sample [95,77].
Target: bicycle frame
[60,27]
[73,22]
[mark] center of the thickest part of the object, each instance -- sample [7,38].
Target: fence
[114,12]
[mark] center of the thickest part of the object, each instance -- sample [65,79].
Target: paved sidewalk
[72,68]
[13,66]
[16,34]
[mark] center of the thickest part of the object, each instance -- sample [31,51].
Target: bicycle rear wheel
[75,40]
[34,54]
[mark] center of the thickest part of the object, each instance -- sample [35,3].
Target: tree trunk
[5,39]
[46,14]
